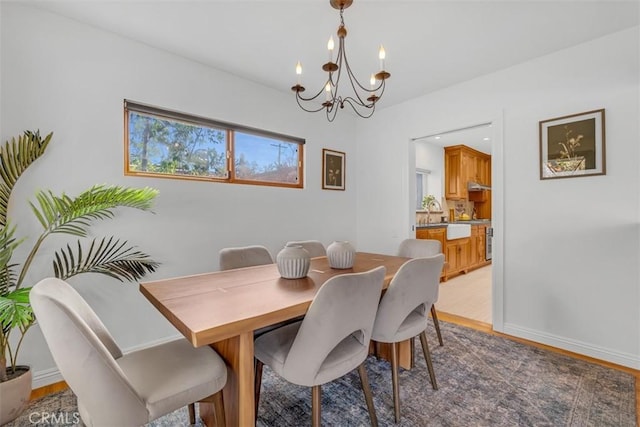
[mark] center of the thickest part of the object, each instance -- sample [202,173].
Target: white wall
[569,274]
[69,78]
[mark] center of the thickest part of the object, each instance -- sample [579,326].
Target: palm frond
[8,243]
[15,310]
[8,278]
[110,257]
[15,157]
[63,214]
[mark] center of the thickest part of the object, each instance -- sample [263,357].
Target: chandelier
[363,100]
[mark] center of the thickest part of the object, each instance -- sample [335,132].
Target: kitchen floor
[467,295]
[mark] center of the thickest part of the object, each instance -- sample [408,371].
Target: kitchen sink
[458,231]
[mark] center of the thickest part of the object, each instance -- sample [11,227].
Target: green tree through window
[171,144]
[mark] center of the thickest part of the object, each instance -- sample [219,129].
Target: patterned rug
[483,380]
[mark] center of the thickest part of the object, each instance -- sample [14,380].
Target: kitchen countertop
[444,224]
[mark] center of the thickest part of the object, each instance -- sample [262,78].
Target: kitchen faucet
[431,204]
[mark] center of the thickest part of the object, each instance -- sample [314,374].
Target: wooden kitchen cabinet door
[453,179]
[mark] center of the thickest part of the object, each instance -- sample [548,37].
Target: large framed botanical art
[573,146]
[333,166]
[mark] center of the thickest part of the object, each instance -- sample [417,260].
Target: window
[422,188]
[169,144]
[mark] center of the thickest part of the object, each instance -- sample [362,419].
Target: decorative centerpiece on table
[293,261]
[341,255]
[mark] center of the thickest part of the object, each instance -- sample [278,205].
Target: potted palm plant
[57,214]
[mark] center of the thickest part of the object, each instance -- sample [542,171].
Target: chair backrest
[414,288]
[86,355]
[314,247]
[419,248]
[247,256]
[344,306]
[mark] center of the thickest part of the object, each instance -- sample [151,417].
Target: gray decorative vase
[293,262]
[341,255]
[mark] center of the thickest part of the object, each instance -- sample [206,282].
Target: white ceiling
[479,137]
[429,44]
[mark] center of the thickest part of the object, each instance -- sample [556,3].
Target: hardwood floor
[467,295]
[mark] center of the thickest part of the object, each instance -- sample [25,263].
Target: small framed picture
[333,165]
[572,146]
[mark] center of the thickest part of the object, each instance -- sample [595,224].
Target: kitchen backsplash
[459,206]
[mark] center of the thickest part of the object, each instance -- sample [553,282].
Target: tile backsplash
[460,207]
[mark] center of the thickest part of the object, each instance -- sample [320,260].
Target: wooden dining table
[224,308]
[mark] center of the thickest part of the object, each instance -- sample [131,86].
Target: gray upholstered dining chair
[422,248]
[331,341]
[314,247]
[245,256]
[402,313]
[113,388]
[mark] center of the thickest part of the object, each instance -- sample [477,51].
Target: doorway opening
[469,294]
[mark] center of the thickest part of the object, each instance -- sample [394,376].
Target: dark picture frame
[333,170]
[573,146]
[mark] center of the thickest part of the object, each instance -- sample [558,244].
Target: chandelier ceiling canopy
[362,99]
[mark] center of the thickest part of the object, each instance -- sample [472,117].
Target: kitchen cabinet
[483,169]
[478,250]
[458,255]
[461,165]
[461,255]
[483,209]
[453,171]
[439,234]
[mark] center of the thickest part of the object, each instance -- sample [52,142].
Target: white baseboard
[602,353]
[45,377]
[51,376]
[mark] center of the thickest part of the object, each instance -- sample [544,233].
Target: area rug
[483,380]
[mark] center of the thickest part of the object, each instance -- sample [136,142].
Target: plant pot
[15,394]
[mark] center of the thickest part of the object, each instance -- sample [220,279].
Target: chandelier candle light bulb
[381,55]
[330,46]
[299,72]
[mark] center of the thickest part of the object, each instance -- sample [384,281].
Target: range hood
[474,186]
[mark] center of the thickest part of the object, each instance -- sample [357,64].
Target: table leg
[405,352]
[238,393]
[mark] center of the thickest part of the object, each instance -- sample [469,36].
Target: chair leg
[412,352]
[257,385]
[217,417]
[218,405]
[192,413]
[368,397]
[394,380]
[434,315]
[316,405]
[427,358]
